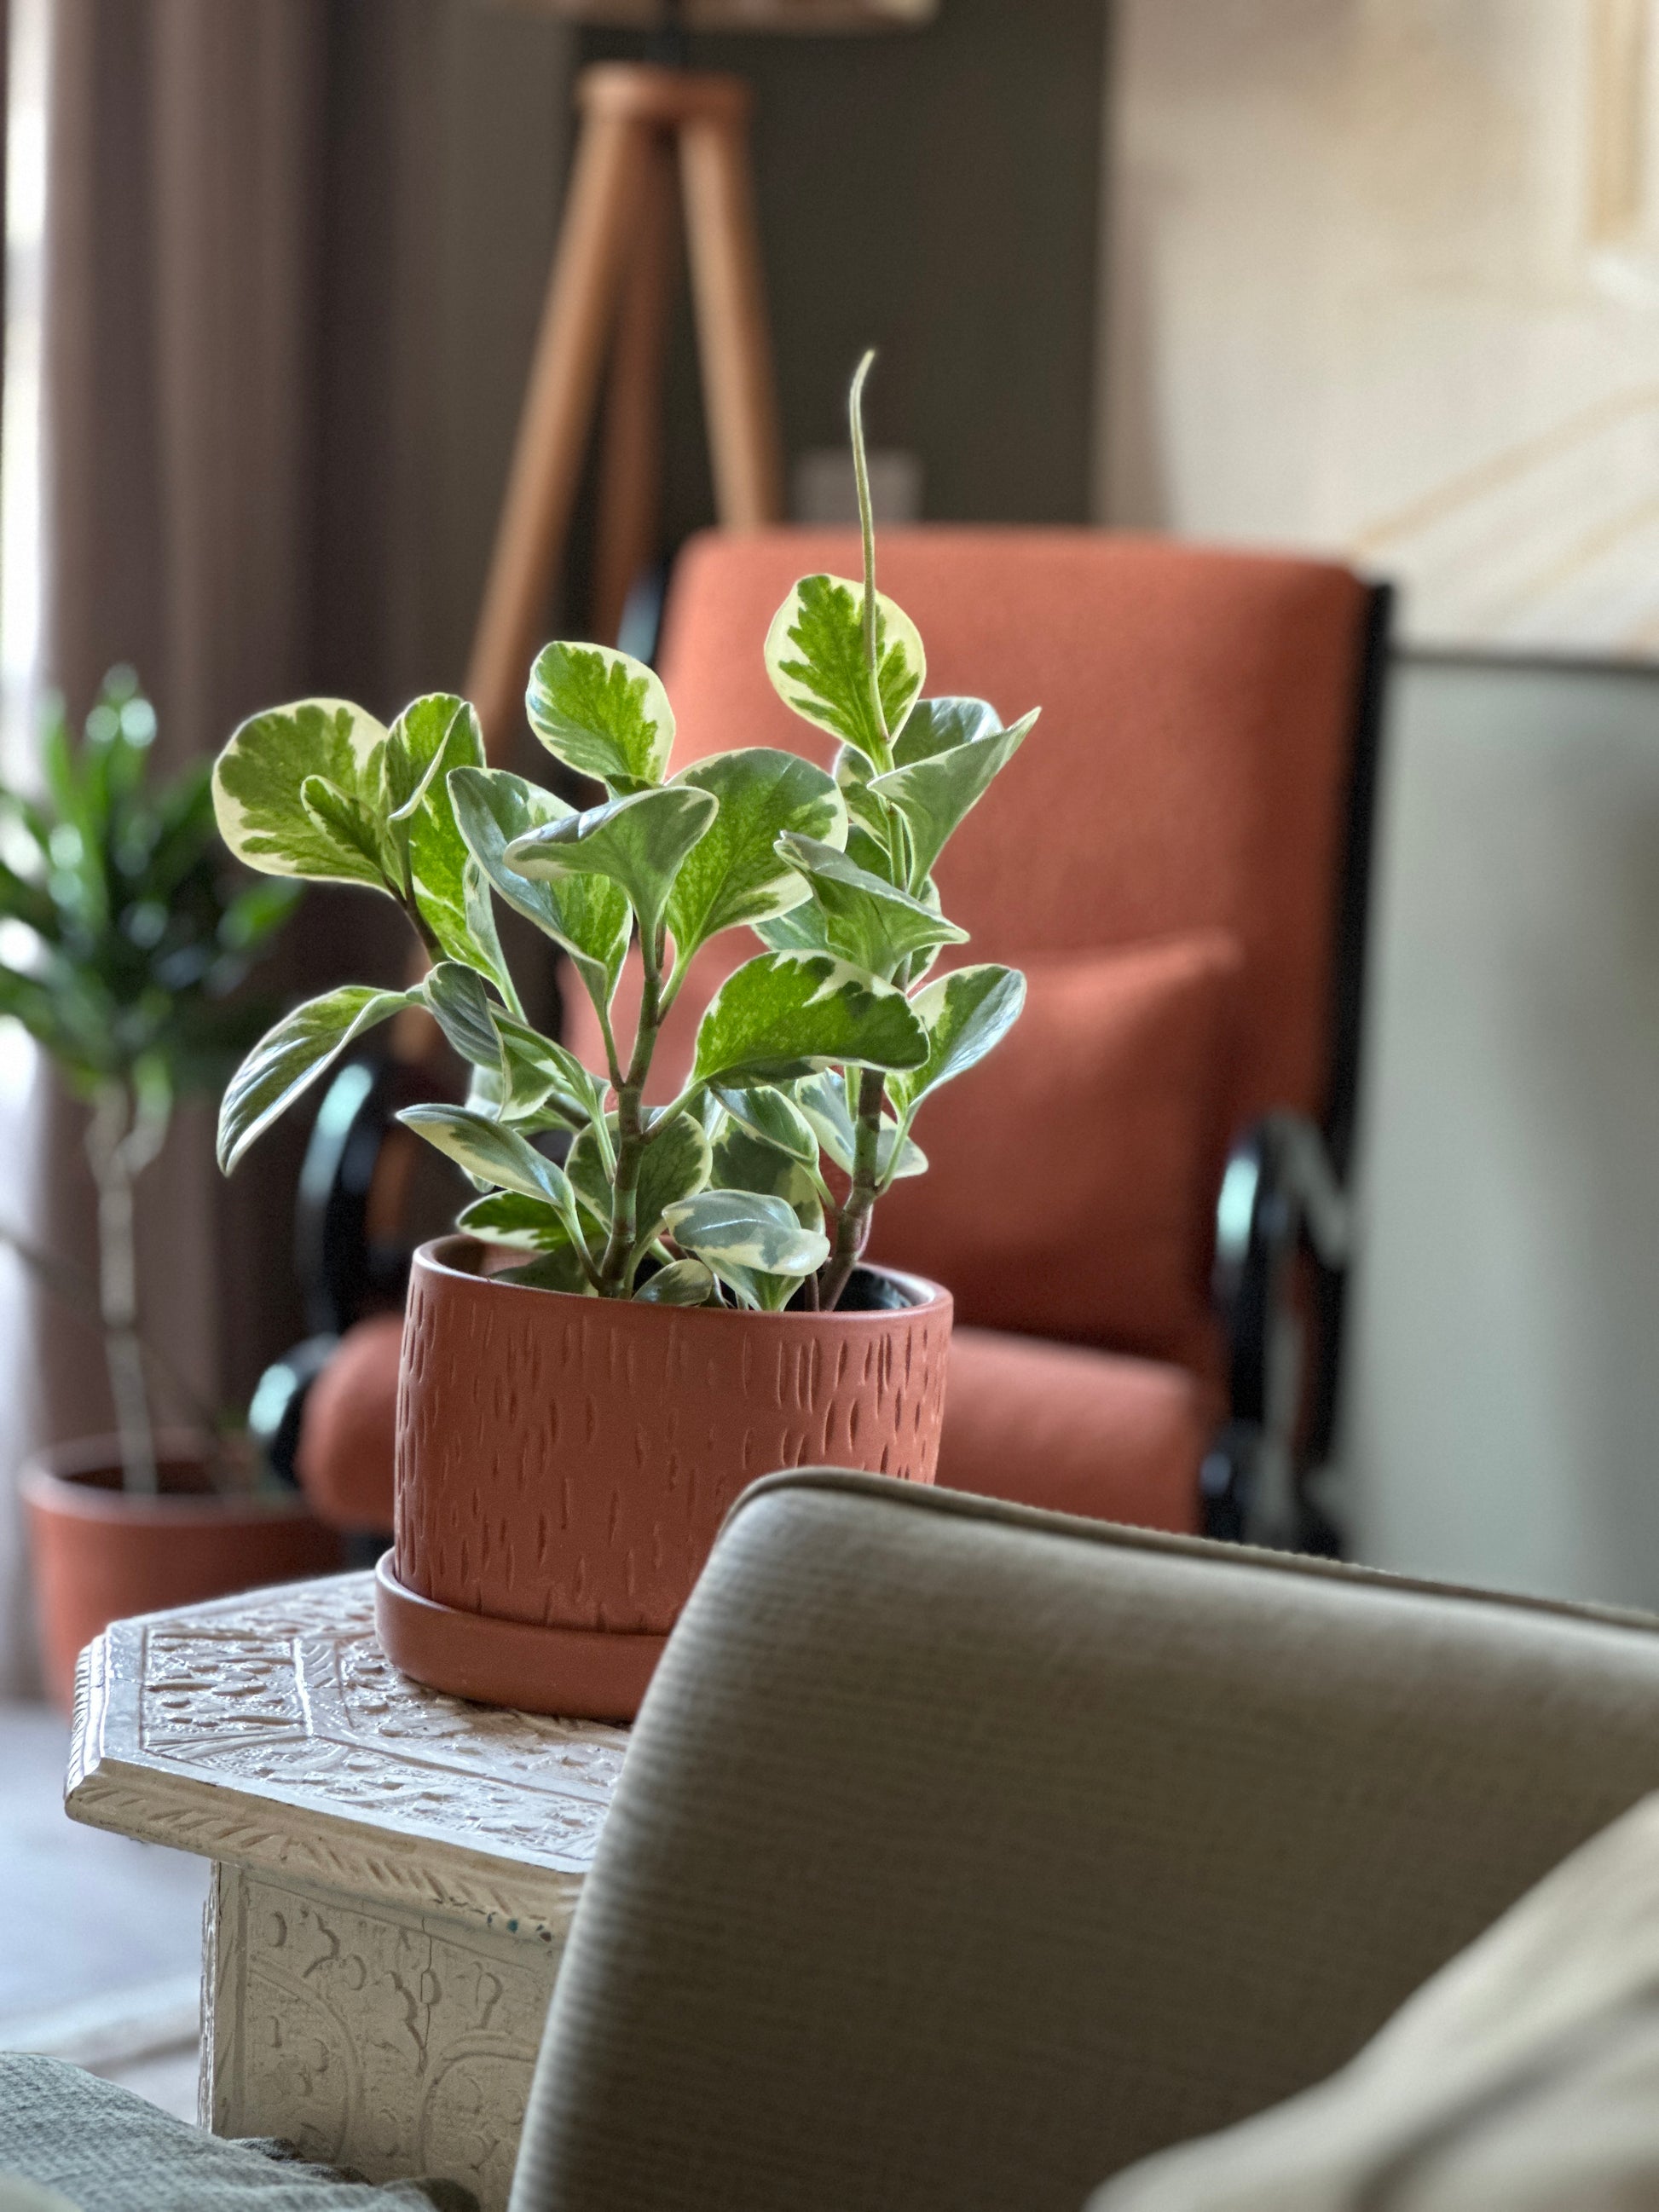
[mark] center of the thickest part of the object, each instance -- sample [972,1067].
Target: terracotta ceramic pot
[99,1554]
[565,1465]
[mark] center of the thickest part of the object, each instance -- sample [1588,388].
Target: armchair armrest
[1281,1205]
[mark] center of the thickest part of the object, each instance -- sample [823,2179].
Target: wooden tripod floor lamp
[651,135]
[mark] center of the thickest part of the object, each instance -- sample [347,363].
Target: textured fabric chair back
[1192,766]
[963,1855]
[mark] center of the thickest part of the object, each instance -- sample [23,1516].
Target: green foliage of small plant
[812,1062]
[126,939]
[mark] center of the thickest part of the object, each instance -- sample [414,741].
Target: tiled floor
[100,1937]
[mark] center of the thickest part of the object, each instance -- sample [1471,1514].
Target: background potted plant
[127,938]
[685,1307]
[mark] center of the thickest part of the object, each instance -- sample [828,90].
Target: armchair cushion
[965,1854]
[1072,1174]
[1525,2075]
[1074,1430]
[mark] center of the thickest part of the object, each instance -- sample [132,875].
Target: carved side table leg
[390,2042]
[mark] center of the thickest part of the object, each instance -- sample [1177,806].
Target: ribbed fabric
[107,2151]
[965,1854]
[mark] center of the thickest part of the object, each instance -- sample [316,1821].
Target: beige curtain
[294,252]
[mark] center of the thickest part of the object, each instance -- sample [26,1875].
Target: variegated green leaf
[539,1071]
[934,793]
[773,1116]
[290,1057]
[590,1178]
[937,725]
[601,713]
[507,1217]
[257,779]
[785,1013]
[683,1283]
[461,1006]
[742,1162]
[823,1100]
[558,1269]
[350,825]
[816,659]
[430,737]
[965,1013]
[753,1243]
[587,914]
[866,921]
[676,1167]
[493,1154]
[733,874]
[638,842]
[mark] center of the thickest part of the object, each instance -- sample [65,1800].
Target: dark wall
[935,194]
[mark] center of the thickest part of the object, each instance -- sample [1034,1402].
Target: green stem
[868,530]
[632,1135]
[853,1225]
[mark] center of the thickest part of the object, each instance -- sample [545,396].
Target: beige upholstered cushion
[964,1854]
[1523,2078]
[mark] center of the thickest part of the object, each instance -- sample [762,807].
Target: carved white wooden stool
[394,1871]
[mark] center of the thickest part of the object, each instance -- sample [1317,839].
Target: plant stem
[115,1158]
[868,529]
[853,1225]
[631,1134]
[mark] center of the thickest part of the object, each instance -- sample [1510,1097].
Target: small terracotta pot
[100,1555]
[565,1465]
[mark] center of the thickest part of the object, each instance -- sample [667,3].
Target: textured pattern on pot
[567,1461]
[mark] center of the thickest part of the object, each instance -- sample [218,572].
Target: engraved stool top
[269,1731]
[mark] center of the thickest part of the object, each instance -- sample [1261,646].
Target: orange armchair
[1177,858]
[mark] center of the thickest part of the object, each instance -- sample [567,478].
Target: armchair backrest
[1209,718]
[964,1854]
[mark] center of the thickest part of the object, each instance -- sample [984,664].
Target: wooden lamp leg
[740,393]
[613,165]
[631,462]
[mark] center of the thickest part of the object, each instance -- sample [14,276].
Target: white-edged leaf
[772,1115]
[461,1006]
[683,1283]
[816,659]
[744,1161]
[558,1269]
[538,1070]
[965,1013]
[753,1243]
[866,921]
[823,1100]
[507,1217]
[783,1014]
[935,726]
[602,712]
[292,1055]
[934,794]
[587,914]
[734,873]
[258,778]
[350,825]
[432,737]
[637,842]
[493,1154]
[676,1166]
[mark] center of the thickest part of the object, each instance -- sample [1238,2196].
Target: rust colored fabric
[349,1428]
[1074,1431]
[1190,769]
[1072,1174]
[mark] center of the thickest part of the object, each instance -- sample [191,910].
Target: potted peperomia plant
[625,1333]
[127,940]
